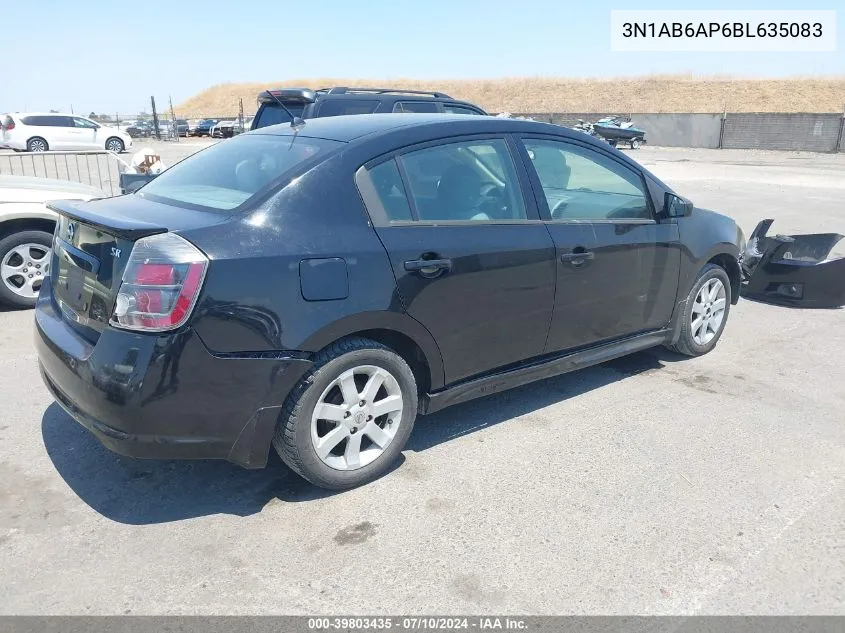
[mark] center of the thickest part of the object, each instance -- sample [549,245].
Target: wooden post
[155,118]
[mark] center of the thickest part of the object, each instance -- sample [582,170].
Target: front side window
[84,123]
[226,175]
[470,180]
[582,184]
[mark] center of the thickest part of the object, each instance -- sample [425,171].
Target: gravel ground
[647,485]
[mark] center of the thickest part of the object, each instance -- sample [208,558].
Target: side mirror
[676,206]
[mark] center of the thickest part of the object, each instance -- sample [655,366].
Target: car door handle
[577,257]
[429,267]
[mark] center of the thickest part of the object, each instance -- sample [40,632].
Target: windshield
[226,175]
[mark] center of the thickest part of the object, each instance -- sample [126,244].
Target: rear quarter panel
[252,299]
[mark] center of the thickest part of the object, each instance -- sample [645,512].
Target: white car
[26,232]
[43,131]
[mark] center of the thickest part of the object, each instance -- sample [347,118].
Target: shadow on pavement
[141,492]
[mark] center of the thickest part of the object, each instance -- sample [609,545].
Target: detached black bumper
[796,270]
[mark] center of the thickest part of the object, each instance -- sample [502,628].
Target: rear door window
[416,106]
[340,107]
[228,174]
[469,180]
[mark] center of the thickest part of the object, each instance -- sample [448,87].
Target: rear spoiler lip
[119,226]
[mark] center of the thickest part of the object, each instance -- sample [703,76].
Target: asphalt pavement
[653,484]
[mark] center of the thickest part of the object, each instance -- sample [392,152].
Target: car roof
[347,128]
[362,127]
[22,114]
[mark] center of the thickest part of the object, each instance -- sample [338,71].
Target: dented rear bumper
[799,270]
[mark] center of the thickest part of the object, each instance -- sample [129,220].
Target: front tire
[706,312]
[348,419]
[24,263]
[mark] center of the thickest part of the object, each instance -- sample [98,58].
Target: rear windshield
[273,114]
[226,175]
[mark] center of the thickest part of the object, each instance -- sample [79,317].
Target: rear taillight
[9,125]
[161,283]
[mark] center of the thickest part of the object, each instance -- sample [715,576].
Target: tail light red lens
[161,283]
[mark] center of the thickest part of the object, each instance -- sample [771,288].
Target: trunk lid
[91,248]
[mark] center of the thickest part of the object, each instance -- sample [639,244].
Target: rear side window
[48,121]
[273,114]
[340,107]
[226,175]
[415,106]
[390,191]
[470,180]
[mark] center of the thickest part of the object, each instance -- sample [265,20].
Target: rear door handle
[577,257]
[429,267]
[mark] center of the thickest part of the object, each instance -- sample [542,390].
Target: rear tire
[701,323]
[37,144]
[12,270]
[349,462]
[114,144]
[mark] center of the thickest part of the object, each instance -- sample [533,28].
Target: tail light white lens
[161,283]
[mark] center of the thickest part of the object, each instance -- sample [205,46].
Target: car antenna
[295,121]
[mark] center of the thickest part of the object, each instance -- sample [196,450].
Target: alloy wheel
[24,267]
[356,417]
[708,311]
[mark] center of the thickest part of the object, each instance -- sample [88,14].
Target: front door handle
[577,258]
[429,267]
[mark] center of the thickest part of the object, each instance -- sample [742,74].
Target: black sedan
[314,288]
[203,128]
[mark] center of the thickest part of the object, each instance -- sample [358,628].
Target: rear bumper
[13,144]
[163,397]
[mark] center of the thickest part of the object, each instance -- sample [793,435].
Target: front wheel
[347,421]
[635,144]
[706,312]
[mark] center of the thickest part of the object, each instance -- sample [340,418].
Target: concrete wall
[807,132]
[680,130]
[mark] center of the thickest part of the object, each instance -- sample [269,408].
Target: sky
[108,56]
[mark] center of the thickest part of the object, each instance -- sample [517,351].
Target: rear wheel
[635,144]
[347,421]
[115,145]
[24,262]
[37,144]
[706,312]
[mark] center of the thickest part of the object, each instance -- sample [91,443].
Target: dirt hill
[557,94]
